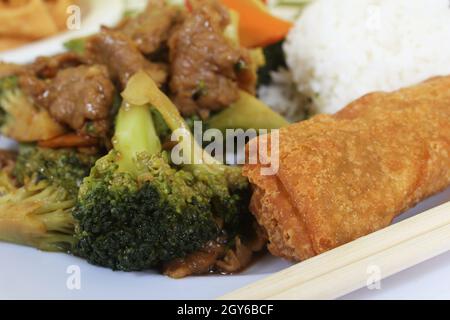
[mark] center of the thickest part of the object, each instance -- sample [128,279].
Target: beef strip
[33,86]
[218,256]
[122,57]
[7,158]
[205,65]
[32,76]
[48,67]
[80,97]
[151,29]
[196,263]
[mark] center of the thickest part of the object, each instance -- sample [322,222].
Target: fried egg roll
[346,175]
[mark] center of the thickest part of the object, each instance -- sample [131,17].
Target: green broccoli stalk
[227,183]
[135,133]
[137,210]
[38,213]
[247,113]
[77,45]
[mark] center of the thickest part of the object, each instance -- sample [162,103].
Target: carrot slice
[257,27]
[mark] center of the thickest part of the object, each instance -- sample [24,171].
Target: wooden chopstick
[345,269]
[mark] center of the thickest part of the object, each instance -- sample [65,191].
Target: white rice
[340,50]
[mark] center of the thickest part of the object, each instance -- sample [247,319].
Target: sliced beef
[150,30]
[48,67]
[200,262]
[206,67]
[33,86]
[79,97]
[122,57]
[7,158]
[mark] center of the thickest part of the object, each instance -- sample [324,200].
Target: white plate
[26,273]
[94,13]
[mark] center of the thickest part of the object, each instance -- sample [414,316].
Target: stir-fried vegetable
[247,113]
[259,28]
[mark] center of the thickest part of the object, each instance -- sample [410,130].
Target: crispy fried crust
[288,236]
[344,176]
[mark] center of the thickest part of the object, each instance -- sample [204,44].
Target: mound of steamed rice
[340,50]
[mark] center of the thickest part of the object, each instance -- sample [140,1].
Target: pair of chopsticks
[350,267]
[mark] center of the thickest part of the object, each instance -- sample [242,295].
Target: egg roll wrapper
[289,237]
[352,173]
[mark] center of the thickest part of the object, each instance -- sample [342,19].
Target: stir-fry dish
[93,174]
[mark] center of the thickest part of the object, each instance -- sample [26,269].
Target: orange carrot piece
[258,28]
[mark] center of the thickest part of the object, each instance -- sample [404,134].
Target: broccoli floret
[137,210]
[38,212]
[7,184]
[7,84]
[77,45]
[63,167]
[20,118]
[38,215]
[132,223]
